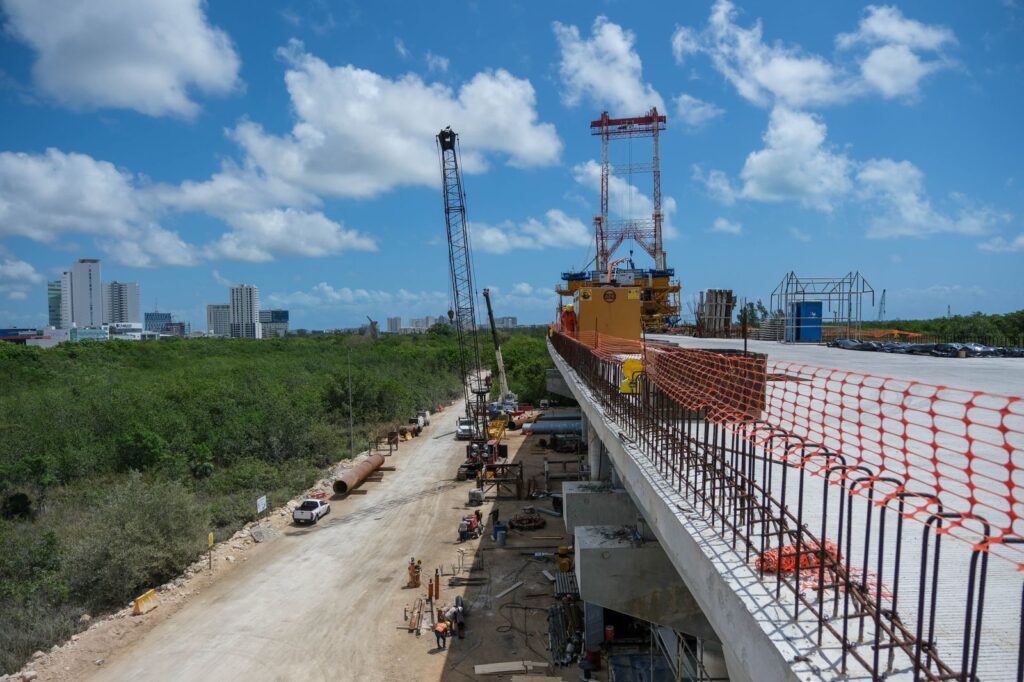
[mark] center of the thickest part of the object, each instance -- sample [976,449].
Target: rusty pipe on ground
[357,474]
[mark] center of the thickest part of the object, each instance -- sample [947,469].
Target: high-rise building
[156,321]
[274,323]
[394,325]
[53,301]
[121,302]
[245,312]
[505,322]
[82,295]
[218,319]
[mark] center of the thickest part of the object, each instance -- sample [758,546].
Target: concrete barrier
[146,603]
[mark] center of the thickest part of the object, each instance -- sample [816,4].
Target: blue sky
[290,145]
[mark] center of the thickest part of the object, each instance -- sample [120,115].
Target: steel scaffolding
[841,296]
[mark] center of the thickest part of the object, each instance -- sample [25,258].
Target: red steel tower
[644,231]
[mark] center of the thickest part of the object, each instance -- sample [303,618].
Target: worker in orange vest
[569,320]
[441,632]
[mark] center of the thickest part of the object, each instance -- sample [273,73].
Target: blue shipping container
[803,322]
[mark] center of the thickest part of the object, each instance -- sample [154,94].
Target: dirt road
[321,603]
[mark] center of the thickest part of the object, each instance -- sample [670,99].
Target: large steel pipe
[357,474]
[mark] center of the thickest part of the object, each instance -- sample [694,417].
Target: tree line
[117,458]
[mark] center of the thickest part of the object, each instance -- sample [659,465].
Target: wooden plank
[504,592]
[500,668]
[548,576]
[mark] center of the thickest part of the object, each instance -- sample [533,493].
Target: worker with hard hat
[569,320]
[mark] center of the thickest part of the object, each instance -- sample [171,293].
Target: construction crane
[460,264]
[881,307]
[508,399]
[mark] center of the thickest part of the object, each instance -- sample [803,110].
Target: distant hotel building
[218,319]
[274,323]
[245,312]
[121,302]
[506,322]
[394,325]
[156,321]
[81,295]
[53,301]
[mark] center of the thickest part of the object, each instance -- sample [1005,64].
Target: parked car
[310,511]
[425,414]
[464,429]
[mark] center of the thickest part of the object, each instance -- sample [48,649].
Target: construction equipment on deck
[460,265]
[659,294]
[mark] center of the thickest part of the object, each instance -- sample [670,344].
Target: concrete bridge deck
[752,617]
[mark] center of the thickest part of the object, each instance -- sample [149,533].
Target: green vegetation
[1000,330]
[116,459]
[526,362]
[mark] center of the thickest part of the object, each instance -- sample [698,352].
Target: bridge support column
[597,455]
[634,578]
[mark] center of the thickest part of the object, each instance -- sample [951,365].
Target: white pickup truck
[310,511]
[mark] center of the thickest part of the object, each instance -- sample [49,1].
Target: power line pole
[351,434]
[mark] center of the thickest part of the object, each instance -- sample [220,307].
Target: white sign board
[261,505]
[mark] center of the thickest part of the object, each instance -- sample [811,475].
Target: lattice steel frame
[843,296]
[610,234]
[460,268]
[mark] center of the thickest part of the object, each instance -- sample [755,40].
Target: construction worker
[464,529]
[569,320]
[414,569]
[454,617]
[441,632]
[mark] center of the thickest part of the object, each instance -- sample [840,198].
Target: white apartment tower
[82,295]
[121,302]
[245,312]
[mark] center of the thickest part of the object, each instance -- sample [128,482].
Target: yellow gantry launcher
[659,293]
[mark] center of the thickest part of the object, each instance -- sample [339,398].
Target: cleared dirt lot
[327,602]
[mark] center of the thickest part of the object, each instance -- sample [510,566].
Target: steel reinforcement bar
[826,533]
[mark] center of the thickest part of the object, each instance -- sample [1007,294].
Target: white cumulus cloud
[324,295]
[258,236]
[556,230]
[1003,245]
[762,73]
[724,226]
[904,209]
[695,113]
[359,133]
[604,68]
[887,56]
[45,196]
[17,277]
[147,56]
[795,164]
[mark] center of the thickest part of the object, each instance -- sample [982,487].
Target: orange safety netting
[784,560]
[924,449]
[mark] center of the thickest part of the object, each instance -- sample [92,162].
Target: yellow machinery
[609,310]
[659,295]
[496,429]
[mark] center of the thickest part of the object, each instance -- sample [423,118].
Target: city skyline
[819,143]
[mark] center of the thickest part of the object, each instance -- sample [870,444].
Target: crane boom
[502,380]
[460,264]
